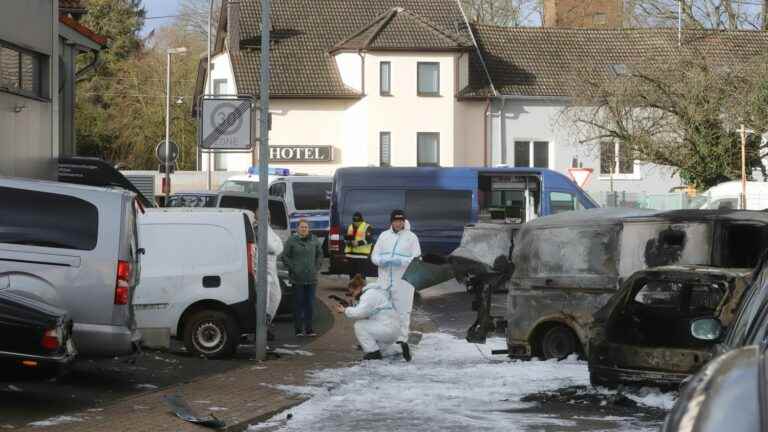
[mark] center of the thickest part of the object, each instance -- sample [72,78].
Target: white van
[727,196]
[197,282]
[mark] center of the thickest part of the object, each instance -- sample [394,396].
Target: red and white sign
[580,175]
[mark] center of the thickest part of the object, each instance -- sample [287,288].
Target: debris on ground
[184,412]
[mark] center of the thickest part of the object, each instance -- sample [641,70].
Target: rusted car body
[643,335]
[568,266]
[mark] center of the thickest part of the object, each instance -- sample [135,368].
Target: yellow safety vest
[359,236]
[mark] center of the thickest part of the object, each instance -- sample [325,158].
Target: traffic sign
[580,175]
[226,123]
[160,152]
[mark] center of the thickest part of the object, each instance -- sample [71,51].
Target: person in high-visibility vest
[359,245]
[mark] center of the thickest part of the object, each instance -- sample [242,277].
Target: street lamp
[169,51]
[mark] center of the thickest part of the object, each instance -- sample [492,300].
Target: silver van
[76,246]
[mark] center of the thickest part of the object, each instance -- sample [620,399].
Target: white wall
[544,121]
[351,69]
[405,113]
[29,127]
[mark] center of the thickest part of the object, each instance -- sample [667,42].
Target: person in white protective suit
[394,250]
[377,323]
[274,293]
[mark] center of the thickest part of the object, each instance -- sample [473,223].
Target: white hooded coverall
[378,325]
[392,254]
[274,294]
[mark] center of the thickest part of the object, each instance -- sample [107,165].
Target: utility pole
[208,86]
[743,167]
[261,285]
[168,119]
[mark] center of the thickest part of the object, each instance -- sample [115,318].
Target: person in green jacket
[302,256]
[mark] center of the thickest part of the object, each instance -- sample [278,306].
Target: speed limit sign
[226,123]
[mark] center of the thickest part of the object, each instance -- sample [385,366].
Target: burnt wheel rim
[209,337]
[558,343]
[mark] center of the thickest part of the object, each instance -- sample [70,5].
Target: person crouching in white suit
[394,250]
[377,324]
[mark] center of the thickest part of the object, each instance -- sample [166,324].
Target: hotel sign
[300,153]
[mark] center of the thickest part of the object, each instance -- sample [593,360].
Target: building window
[428,149]
[531,154]
[220,86]
[428,77]
[385,149]
[616,160]
[385,78]
[20,71]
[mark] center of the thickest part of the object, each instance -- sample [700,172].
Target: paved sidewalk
[239,397]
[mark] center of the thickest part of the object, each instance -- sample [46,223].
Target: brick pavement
[247,393]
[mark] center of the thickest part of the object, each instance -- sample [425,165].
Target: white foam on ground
[450,385]
[293,352]
[55,421]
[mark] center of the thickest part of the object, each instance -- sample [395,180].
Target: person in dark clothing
[359,243]
[303,256]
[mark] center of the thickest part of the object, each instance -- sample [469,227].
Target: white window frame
[636,173]
[530,141]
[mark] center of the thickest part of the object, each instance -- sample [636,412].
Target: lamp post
[169,51]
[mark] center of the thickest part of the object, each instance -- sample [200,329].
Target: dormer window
[618,69]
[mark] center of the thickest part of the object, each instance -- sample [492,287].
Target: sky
[159,8]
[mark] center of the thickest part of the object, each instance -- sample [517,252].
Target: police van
[306,197]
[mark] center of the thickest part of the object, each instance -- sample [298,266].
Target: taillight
[122,285]
[251,251]
[334,239]
[52,339]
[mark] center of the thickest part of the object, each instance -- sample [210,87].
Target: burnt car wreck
[620,287]
[643,335]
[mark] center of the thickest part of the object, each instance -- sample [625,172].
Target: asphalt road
[95,382]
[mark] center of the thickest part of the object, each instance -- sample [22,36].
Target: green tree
[121,108]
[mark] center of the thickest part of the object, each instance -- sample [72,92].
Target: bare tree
[683,113]
[513,13]
[193,16]
[713,14]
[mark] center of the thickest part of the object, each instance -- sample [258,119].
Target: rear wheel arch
[546,328]
[200,306]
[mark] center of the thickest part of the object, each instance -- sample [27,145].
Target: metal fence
[663,201]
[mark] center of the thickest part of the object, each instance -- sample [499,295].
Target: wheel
[558,342]
[211,333]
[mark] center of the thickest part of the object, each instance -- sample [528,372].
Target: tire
[558,342]
[211,333]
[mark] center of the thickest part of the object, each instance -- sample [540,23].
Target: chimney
[584,13]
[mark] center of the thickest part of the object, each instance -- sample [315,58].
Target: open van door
[96,172]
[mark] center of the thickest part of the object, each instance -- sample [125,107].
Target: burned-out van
[568,266]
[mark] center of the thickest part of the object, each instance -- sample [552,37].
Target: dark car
[36,335]
[193,199]
[728,394]
[643,335]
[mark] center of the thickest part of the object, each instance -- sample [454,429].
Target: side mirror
[706,329]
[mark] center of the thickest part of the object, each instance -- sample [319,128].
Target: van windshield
[312,196]
[240,186]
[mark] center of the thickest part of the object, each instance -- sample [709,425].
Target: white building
[412,83]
